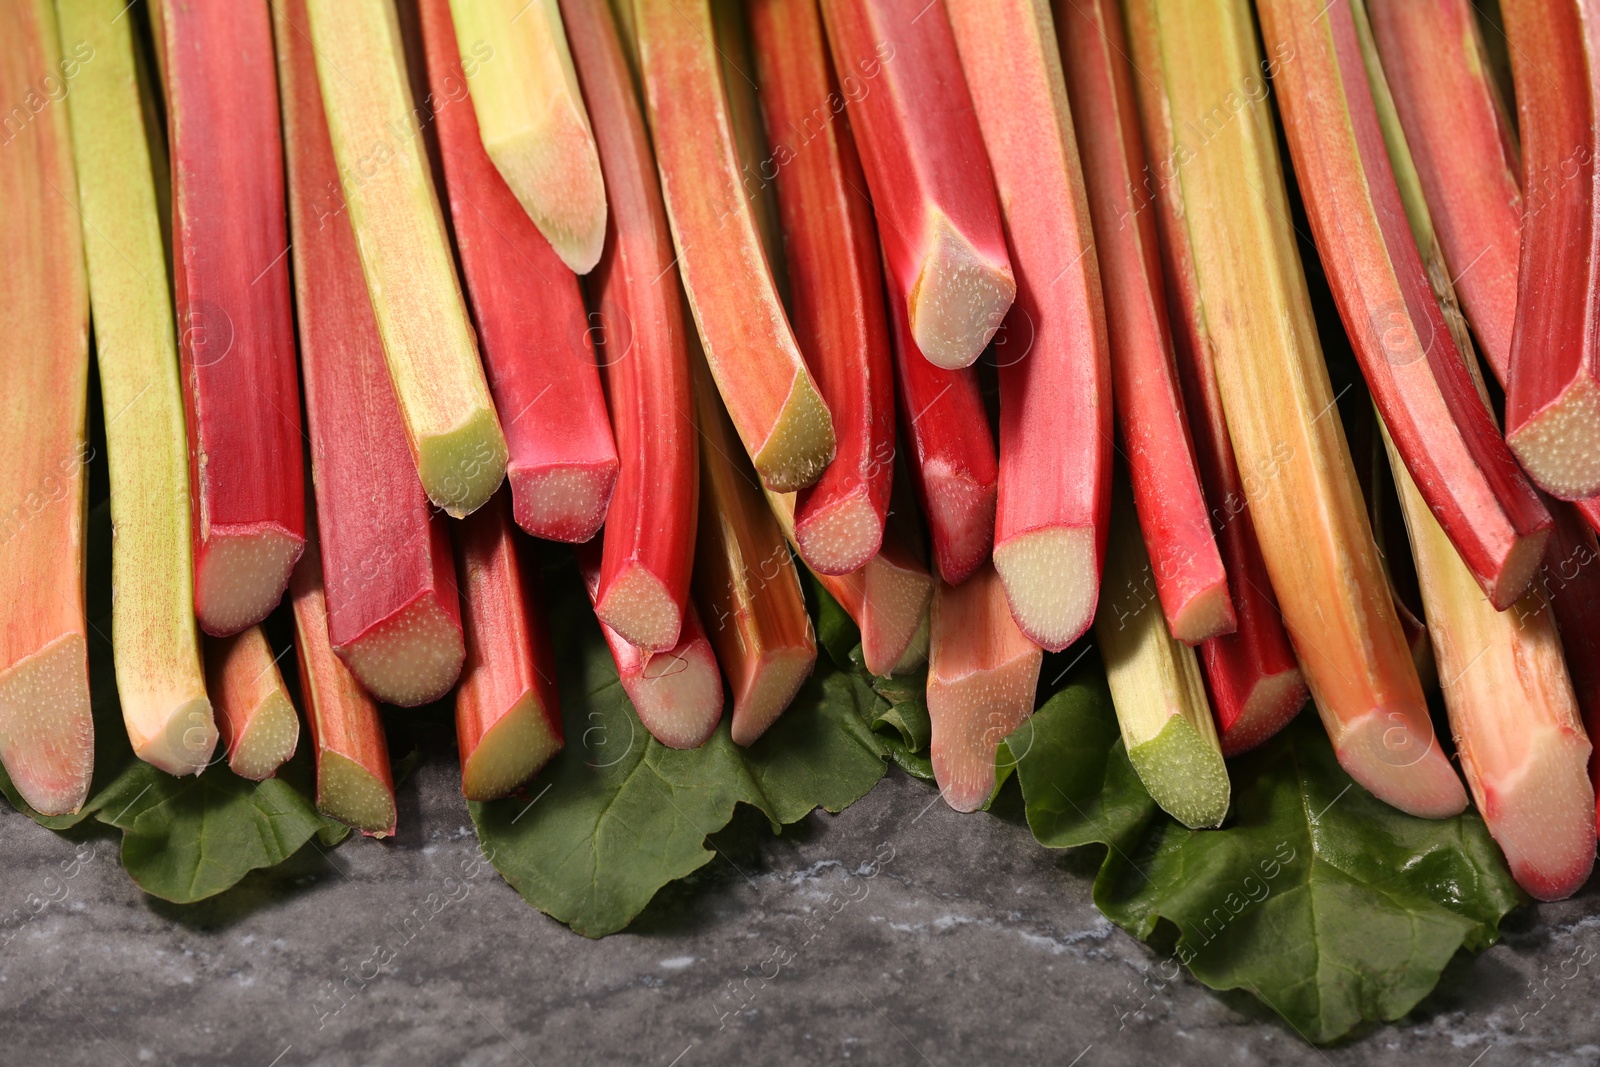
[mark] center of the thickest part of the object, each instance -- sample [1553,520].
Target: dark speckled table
[971,945]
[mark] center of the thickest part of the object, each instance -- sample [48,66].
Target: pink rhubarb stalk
[924,159]
[649,532]
[393,612]
[532,325]
[836,284]
[256,720]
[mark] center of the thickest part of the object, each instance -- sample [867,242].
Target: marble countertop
[898,932]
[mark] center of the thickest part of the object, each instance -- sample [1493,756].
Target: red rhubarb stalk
[1418,378]
[1191,581]
[235,327]
[46,731]
[836,284]
[745,581]
[394,615]
[354,782]
[508,715]
[982,674]
[677,693]
[774,402]
[925,164]
[532,326]
[1553,395]
[649,533]
[256,720]
[952,459]
[1570,581]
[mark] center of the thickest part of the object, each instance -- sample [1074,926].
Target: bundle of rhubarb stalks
[992,315]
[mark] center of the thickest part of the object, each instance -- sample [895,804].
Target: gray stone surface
[971,945]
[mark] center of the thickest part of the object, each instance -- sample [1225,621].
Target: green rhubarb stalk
[156,645]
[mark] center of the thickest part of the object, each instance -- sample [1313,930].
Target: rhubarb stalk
[924,160]
[1304,499]
[650,527]
[236,330]
[46,730]
[745,582]
[982,676]
[1570,581]
[508,716]
[1553,392]
[354,782]
[1408,356]
[1160,456]
[527,306]
[1156,687]
[836,285]
[770,395]
[160,682]
[952,461]
[531,117]
[256,720]
[393,613]
[450,421]
[677,693]
[1512,710]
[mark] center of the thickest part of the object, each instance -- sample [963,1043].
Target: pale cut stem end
[1184,773]
[801,444]
[1388,759]
[47,727]
[240,576]
[1271,705]
[894,623]
[355,796]
[185,741]
[410,658]
[461,469]
[961,515]
[638,606]
[268,741]
[1547,839]
[842,537]
[1516,574]
[555,175]
[1052,583]
[678,694]
[971,716]
[565,503]
[1560,447]
[772,686]
[959,300]
[1206,615]
[511,752]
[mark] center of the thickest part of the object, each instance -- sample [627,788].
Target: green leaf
[1325,903]
[617,815]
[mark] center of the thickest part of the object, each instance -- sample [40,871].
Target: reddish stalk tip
[1051,579]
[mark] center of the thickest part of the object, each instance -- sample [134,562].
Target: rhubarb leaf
[617,815]
[1328,905]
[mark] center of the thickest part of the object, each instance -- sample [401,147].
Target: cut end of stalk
[1271,705]
[46,726]
[410,658]
[1398,764]
[1518,570]
[186,741]
[970,717]
[240,575]
[1184,773]
[1051,582]
[960,298]
[1556,446]
[961,515]
[638,606]
[842,537]
[679,695]
[1208,614]
[775,682]
[511,752]
[566,503]
[461,469]
[1548,840]
[801,444]
[894,629]
[555,176]
[268,741]
[350,793]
